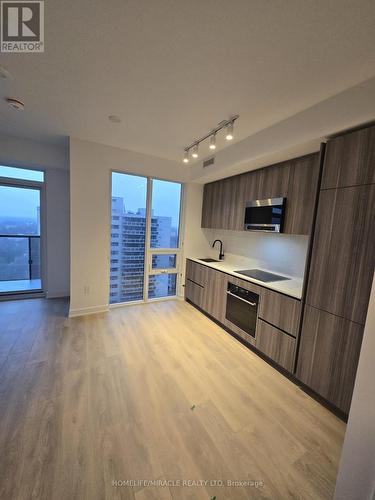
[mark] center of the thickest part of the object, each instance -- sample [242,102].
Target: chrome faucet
[221,253]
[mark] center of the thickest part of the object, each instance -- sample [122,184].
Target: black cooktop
[260,275]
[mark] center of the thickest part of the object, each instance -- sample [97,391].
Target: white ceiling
[172,69]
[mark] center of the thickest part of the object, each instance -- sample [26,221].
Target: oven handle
[240,298]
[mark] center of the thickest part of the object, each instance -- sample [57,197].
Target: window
[129,195]
[165,220]
[21,173]
[147,215]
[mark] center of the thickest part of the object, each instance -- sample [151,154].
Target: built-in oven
[242,308]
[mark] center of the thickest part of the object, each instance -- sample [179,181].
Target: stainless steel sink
[209,260]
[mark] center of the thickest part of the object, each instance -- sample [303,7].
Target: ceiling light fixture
[225,124]
[194,152]
[15,104]
[229,133]
[213,141]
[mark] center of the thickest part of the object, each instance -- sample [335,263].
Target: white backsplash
[283,253]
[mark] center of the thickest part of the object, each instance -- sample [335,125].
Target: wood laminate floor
[107,397]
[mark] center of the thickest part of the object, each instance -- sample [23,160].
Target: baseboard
[73,313]
[57,295]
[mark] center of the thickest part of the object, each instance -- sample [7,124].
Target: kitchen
[308,321]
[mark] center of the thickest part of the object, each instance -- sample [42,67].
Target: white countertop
[291,287]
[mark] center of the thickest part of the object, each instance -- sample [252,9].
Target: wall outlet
[86,290]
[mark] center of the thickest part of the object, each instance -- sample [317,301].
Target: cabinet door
[275,344]
[343,254]
[194,292]
[350,160]
[280,310]
[273,181]
[208,205]
[215,294]
[196,272]
[328,356]
[301,195]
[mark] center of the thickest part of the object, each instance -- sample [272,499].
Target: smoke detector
[114,119]
[15,103]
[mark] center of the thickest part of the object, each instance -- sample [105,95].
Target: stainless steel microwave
[265,215]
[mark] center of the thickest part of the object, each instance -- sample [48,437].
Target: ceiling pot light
[194,153]
[213,141]
[114,119]
[229,131]
[15,103]
[186,157]
[4,73]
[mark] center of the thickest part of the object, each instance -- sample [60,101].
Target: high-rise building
[128,234]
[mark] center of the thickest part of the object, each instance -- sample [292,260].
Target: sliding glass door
[20,248]
[145,225]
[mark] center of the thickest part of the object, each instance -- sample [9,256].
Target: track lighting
[194,153]
[229,132]
[193,147]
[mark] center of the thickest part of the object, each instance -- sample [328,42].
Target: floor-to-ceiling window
[20,230]
[145,224]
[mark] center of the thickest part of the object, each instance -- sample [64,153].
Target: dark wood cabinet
[274,181]
[350,160]
[341,271]
[328,355]
[343,255]
[275,344]
[215,294]
[194,293]
[301,195]
[196,276]
[224,201]
[196,272]
[280,310]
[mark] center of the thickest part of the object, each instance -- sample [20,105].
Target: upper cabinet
[350,160]
[343,254]
[224,201]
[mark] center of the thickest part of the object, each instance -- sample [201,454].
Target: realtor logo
[22,26]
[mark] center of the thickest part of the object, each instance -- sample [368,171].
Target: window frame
[150,251]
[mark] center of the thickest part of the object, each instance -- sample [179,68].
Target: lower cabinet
[281,311]
[275,344]
[215,297]
[278,314]
[194,293]
[328,355]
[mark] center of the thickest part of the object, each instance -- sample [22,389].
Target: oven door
[242,313]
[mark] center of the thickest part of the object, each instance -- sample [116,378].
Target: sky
[165,195]
[18,202]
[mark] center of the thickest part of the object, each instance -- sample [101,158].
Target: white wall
[58,233]
[356,477]
[54,160]
[90,170]
[282,253]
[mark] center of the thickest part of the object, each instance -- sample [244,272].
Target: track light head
[213,141]
[186,156]
[194,153]
[229,131]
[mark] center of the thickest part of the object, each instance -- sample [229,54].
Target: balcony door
[20,239]
[145,238]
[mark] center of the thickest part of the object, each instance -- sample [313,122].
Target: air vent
[209,161]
